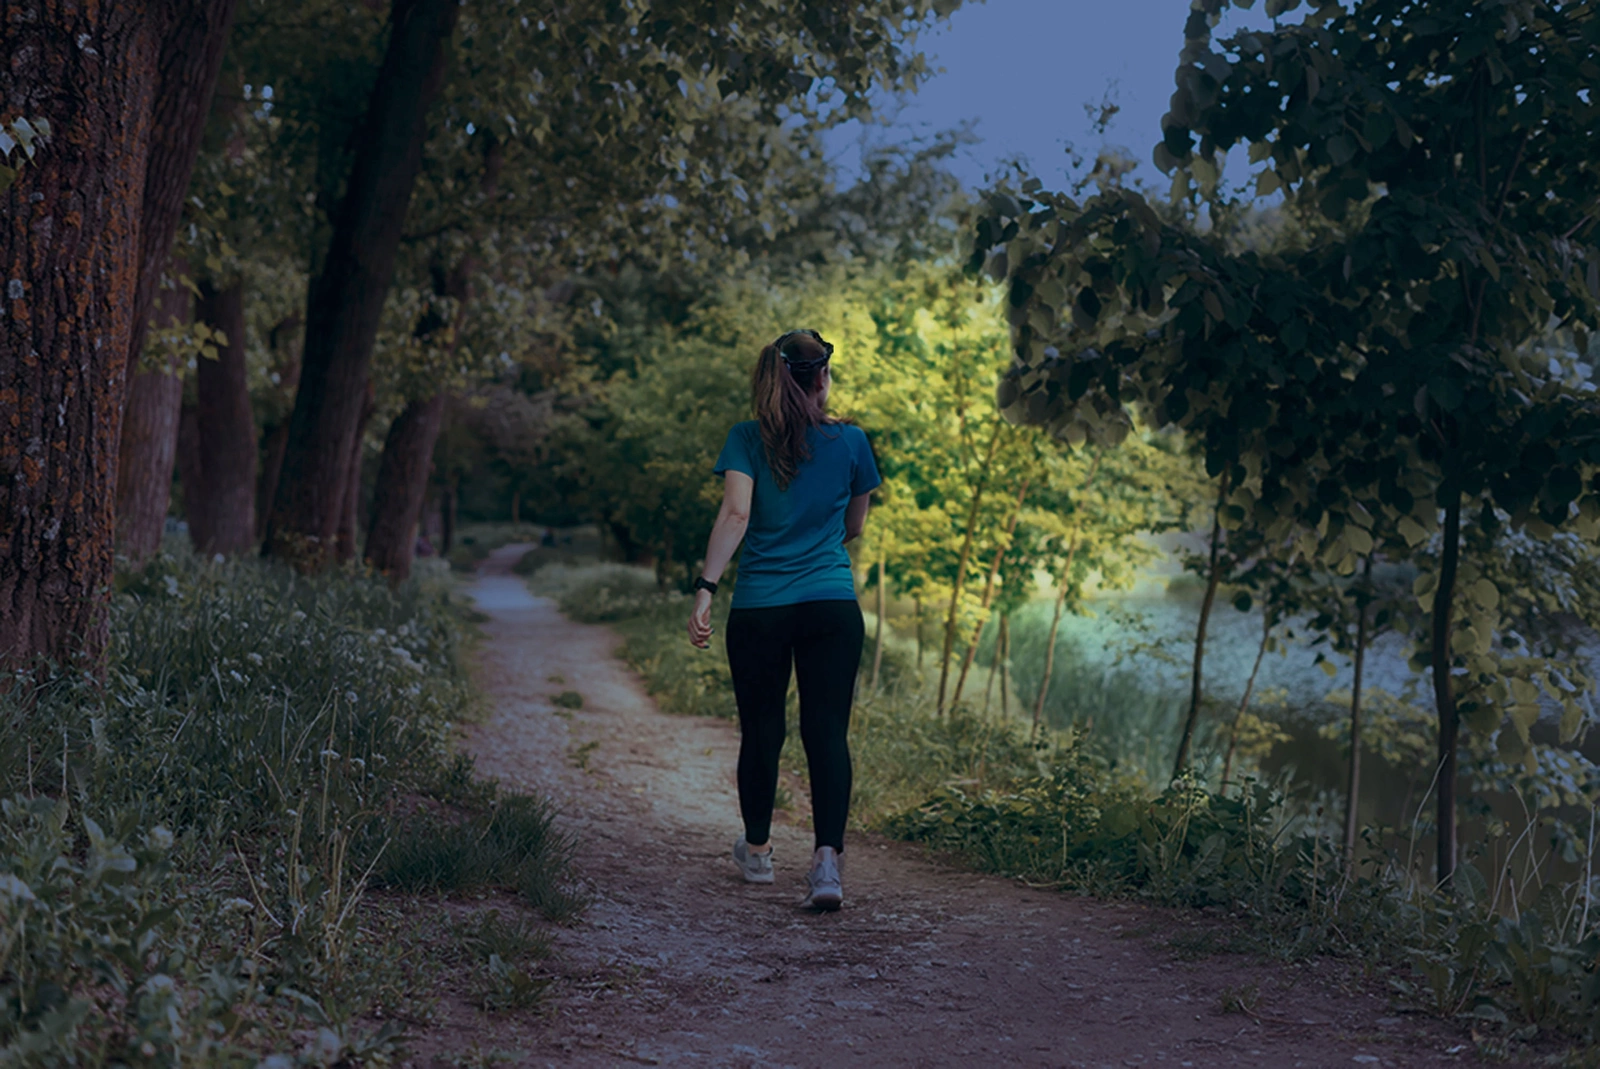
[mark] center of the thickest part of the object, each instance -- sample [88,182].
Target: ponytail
[786,399]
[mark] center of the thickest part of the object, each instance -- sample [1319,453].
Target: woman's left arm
[726,534]
[855,516]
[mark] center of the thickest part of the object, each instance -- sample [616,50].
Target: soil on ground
[677,961]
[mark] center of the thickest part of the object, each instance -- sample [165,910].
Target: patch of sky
[1030,76]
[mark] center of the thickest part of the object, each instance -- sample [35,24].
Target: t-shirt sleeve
[863,469]
[736,454]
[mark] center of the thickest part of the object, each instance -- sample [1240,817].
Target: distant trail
[678,962]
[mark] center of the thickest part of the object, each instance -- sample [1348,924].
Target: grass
[191,844]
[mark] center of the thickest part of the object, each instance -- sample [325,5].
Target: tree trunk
[1353,787]
[1061,602]
[346,299]
[447,517]
[961,564]
[1213,577]
[191,473]
[918,604]
[285,344]
[149,444]
[194,38]
[1244,702]
[225,429]
[1444,687]
[1005,664]
[988,594]
[1050,643]
[877,637]
[349,536]
[402,484]
[69,237]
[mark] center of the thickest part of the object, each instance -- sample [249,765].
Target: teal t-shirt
[794,547]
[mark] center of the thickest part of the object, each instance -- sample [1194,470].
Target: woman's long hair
[786,399]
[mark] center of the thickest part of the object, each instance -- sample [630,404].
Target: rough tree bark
[224,431]
[1196,679]
[69,266]
[149,440]
[346,298]
[402,484]
[195,36]
[125,89]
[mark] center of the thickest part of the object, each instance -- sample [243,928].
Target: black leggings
[822,639]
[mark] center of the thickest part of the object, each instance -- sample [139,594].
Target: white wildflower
[255,658]
[237,678]
[172,586]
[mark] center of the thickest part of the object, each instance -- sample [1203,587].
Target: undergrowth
[188,847]
[1055,809]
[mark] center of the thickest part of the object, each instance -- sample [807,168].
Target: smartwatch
[702,583]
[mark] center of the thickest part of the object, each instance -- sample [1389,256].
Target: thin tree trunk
[403,472]
[1050,643]
[285,344]
[1353,787]
[194,39]
[149,445]
[346,299]
[1061,602]
[1244,702]
[988,594]
[349,536]
[877,638]
[225,428]
[69,237]
[961,564]
[447,517]
[1195,683]
[1005,664]
[918,604]
[516,507]
[1443,686]
[988,686]
[191,473]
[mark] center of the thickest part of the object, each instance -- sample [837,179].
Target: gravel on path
[676,961]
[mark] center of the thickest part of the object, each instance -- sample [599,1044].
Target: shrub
[255,737]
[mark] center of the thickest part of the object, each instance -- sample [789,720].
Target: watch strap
[702,583]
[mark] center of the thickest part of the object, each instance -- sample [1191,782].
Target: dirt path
[678,962]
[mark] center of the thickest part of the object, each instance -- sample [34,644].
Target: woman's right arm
[726,534]
[855,516]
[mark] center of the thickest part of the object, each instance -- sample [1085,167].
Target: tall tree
[1387,371]
[222,514]
[84,230]
[150,430]
[347,296]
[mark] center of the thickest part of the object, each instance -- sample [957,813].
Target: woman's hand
[700,619]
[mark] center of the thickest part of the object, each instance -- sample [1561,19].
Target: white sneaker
[825,893]
[757,868]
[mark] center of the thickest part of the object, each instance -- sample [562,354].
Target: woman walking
[795,490]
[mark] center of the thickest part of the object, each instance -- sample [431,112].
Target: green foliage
[187,848]
[514,846]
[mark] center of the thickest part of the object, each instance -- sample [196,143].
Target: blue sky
[1023,71]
